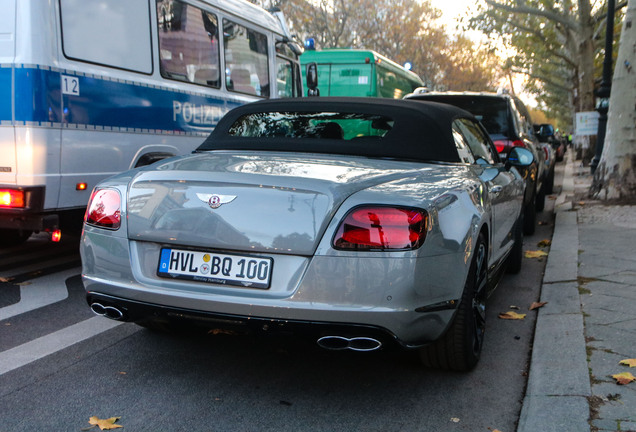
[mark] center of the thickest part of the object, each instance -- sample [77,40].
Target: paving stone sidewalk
[589,324]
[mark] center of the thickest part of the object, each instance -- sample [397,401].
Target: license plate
[212,267]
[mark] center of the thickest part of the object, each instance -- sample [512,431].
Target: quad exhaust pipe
[107,311]
[338,343]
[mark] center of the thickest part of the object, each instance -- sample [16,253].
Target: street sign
[587,123]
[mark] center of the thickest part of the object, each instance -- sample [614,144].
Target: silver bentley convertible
[363,223]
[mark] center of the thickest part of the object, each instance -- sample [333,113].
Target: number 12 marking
[70,85]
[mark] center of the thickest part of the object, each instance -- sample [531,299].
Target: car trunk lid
[247,202]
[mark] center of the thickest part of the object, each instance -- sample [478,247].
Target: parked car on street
[361,222]
[546,133]
[509,124]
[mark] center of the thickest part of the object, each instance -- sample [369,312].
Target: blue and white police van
[90,88]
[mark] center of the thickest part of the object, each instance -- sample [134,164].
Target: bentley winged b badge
[215,201]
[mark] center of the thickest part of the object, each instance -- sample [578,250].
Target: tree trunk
[586,67]
[615,177]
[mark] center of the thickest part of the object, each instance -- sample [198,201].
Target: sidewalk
[589,323]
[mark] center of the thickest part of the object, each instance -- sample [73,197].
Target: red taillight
[104,209]
[368,228]
[12,198]
[505,145]
[500,145]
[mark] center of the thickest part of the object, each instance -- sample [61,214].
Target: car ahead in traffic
[545,134]
[362,222]
[508,122]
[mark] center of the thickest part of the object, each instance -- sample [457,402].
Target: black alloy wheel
[460,347]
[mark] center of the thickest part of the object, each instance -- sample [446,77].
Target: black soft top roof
[421,130]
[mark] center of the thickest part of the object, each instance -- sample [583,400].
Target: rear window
[342,126]
[492,112]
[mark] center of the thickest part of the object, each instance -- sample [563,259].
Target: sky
[452,9]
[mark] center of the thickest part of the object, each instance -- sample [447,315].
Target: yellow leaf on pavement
[629,362]
[537,305]
[536,254]
[544,243]
[510,315]
[105,424]
[623,378]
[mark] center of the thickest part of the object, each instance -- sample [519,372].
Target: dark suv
[508,122]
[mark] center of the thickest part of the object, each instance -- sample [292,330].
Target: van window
[188,43]
[108,32]
[246,65]
[284,77]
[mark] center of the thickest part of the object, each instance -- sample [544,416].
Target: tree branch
[571,24]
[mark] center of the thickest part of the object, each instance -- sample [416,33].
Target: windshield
[492,112]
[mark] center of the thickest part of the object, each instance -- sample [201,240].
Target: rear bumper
[30,217]
[141,312]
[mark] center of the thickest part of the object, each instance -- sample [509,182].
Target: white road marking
[51,343]
[40,292]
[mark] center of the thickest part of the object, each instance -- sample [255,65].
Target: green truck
[365,73]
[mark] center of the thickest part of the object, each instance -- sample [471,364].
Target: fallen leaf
[105,424]
[514,307]
[544,243]
[536,254]
[454,419]
[623,378]
[628,362]
[537,305]
[581,203]
[23,283]
[5,279]
[510,315]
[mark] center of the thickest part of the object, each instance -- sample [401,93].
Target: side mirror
[312,79]
[519,157]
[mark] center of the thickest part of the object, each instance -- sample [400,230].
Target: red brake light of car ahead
[382,228]
[501,145]
[11,198]
[104,209]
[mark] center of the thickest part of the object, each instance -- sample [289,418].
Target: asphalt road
[61,365]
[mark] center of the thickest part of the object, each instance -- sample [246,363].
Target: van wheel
[13,237]
[460,347]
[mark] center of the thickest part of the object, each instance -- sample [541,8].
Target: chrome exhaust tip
[338,343]
[107,311]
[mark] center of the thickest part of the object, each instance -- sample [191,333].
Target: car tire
[540,199]
[549,186]
[13,237]
[529,216]
[515,259]
[459,348]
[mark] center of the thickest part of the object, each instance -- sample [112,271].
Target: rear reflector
[104,209]
[56,235]
[382,228]
[11,198]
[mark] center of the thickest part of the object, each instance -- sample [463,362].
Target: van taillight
[104,209]
[11,198]
[382,228]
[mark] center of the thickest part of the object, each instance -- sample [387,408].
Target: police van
[90,88]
